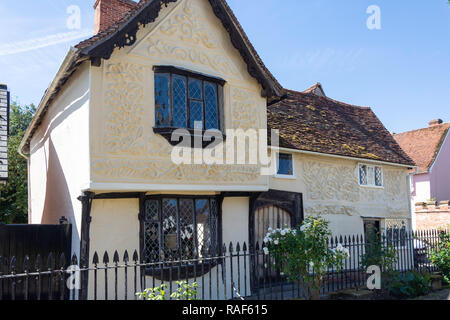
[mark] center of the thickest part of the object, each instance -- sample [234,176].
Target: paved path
[440,295]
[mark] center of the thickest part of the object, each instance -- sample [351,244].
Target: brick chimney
[108,12]
[435,122]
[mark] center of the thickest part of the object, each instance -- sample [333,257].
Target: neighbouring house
[99,149]
[4,130]
[430,149]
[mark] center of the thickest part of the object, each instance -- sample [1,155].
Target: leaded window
[187,100]
[180,228]
[371,176]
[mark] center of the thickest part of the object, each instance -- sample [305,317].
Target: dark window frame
[163,271]
[167,130]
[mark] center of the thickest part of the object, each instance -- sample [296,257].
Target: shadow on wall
[57,196]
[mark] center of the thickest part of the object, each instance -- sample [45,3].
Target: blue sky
[401,71]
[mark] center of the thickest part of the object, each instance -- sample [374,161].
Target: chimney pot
[435,122]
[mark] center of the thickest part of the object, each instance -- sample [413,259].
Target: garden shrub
[409,285]
[304,254]
[440,256]
[185,291]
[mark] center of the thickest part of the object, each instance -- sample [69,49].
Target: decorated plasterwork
[184,37]
[124,104]
[328,181]
[162,171]
[332,188]
[245,111]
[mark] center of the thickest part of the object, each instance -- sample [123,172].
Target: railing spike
[238,248]
[106,258]
[50,261]
[12,265]
[244,247]
[26,264]
[116,257]
[126,258]
[95,259]
[231,247]
[135,256]
[74,260]
[257,246]
[62,260]
[224,248]
[38,262]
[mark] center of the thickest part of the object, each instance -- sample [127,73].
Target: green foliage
[14,195]
[410,285]
[378,253]
[185,291]
[304,254]
[440,256]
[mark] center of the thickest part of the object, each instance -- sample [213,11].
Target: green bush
[410,285]
[379,253]
[185,291]
[440,256]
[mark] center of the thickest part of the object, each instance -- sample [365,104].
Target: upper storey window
[371,176]
[187,100]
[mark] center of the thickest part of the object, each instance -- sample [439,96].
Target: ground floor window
[180,227]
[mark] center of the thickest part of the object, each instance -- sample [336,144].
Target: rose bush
[304,254]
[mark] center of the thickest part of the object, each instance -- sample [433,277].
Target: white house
[99,153]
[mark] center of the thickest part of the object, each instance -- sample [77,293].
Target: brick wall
[432,215]
[108,12]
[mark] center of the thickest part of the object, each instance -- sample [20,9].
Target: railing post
[26,266]
[12,269]
[105,262]
[38,266]
[125,261]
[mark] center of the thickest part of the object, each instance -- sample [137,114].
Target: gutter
[343,157]
[72,58]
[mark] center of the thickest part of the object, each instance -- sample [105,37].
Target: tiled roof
[423,145]
[319,124]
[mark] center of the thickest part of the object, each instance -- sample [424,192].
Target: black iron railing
[237,272]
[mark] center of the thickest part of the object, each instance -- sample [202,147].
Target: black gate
[51,243]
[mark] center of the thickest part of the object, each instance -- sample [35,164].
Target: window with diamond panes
[371,176]
[186,102]
[180,228]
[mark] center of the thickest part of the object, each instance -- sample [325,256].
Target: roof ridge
[330,99]
[425,128]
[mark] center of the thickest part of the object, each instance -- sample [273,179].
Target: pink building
[430,149]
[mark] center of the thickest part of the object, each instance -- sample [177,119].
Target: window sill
[167,133]
[285,177]
[372,187]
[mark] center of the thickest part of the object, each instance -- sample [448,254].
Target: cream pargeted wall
[330,188]
[126,154]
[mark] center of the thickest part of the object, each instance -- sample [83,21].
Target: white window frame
[286,176]
[370,184]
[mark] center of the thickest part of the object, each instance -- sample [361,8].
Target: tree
[14,195]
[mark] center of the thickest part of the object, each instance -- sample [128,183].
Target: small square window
[285,164]
[371,176]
